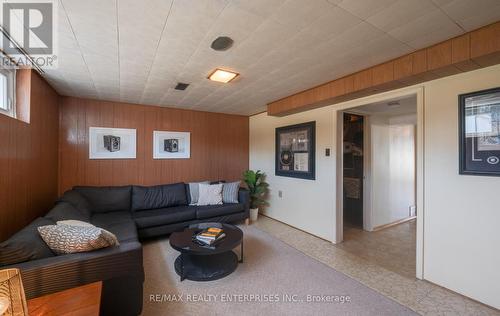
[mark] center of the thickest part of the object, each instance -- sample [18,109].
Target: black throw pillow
[26,244]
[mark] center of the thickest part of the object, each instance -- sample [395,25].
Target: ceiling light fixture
[223,76]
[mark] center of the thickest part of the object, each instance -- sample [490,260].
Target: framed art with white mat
[171,145]
[112,143]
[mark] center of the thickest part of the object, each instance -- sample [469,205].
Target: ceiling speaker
[222,43]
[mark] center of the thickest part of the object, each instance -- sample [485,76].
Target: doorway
[353,127]
[380,179]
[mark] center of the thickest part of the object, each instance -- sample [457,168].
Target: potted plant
[258,189]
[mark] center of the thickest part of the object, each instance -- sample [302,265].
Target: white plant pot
[254,214]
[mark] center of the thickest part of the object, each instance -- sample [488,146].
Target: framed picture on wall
[296,150]
[112,143]
[171,145]
[479,124]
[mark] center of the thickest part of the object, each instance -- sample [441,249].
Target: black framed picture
[479,115]
[296,151]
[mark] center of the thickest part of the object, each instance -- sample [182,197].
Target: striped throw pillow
[230,192]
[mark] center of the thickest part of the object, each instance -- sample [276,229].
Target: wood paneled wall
[476,49]
[219,144]
[28,155]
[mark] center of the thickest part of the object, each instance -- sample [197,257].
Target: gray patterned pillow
[210,194]
[64,239]
[230,192]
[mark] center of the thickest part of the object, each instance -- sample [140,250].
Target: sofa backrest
[107,199]
[159,196]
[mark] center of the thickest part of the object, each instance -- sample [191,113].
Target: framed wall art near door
[296,151]
[479,122]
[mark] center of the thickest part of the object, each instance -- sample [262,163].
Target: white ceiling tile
[434,22]
[400,13]
[472,14]
[299,13]
[136,51]
[333,22]
[365,8]
[263,8]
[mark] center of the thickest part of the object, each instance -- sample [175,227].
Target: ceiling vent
[222,43]
[181,86]
[393,104]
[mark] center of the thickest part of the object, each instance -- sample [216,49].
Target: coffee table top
[183,241]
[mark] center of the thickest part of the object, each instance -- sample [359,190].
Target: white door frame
[338,117]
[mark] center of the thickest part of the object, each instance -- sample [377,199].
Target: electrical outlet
[280,193]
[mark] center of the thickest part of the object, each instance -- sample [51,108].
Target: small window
[7,92]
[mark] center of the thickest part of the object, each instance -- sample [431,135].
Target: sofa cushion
[164,216]
[25,245]
[119,223]
[208,211]
[66,211]
[64,239]
[103,219]
[78,201]
[107,199]
[159,196]
[125,231]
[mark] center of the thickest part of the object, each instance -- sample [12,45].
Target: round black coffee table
[199,263]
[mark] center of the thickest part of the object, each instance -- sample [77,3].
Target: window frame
[10,92]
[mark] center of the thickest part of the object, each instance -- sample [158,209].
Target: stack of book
[210,236]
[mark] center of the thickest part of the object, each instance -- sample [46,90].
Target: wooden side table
[84,300]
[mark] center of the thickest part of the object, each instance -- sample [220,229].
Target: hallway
[392,248]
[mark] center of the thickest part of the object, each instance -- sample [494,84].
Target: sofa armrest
[244,198]
[54,274]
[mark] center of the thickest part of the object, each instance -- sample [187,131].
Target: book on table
[210,236]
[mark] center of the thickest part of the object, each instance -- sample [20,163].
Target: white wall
[392,168]
[462,213]
[305,204]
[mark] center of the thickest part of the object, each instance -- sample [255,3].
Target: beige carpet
[275,279]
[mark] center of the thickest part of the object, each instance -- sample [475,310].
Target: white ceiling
[405,106]
[136,51]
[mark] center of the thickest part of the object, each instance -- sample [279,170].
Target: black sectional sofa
[132,213]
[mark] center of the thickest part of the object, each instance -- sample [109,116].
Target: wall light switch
[280,193]
[413,210]
[327,152]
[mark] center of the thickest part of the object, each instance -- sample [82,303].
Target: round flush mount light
[222,43]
